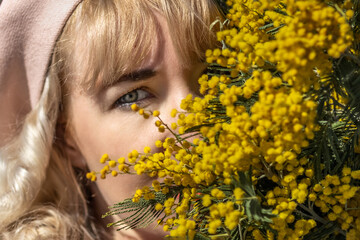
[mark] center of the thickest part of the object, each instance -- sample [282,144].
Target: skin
[103,122]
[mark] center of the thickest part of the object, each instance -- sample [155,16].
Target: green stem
[340,10]
[316,217]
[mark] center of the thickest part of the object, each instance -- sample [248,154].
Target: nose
[177,89]
[176,94]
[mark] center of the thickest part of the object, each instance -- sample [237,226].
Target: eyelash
[122,103]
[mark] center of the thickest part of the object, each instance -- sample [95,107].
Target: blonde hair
[40,194]
[37,195]
[105,39]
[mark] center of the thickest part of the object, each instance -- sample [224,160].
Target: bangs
[105,39]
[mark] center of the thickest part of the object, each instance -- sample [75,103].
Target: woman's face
[104,123]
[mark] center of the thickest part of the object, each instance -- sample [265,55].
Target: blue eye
[134,96]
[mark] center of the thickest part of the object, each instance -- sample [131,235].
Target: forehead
[111,46]
[148,57]
[105,39]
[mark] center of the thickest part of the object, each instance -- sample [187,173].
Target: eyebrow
[137,75]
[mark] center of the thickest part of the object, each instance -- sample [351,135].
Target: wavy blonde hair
[41,195]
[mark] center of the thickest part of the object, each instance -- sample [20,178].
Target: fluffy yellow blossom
[156,113]
[248,143]
[206,200]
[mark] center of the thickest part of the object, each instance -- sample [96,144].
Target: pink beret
[28,32]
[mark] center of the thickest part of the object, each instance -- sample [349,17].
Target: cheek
[116,133]
[117,139]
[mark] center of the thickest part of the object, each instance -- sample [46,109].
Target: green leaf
[140,214]
[275,30]
[334,144]
[267,26]
[252,205]
[199,236]
[325,231]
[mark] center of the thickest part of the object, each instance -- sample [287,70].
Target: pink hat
[28,31]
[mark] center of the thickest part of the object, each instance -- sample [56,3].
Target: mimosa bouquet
[274,149]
